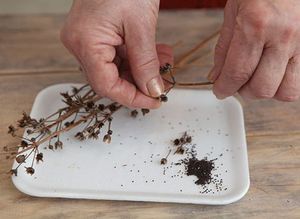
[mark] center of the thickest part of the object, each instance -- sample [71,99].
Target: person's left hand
[258,53]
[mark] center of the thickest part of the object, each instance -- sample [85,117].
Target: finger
[241,60]
[165,54]
[142,56]
[289,89]
[268,75]
[103,76]
[224,40]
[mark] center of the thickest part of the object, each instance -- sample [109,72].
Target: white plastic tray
[129,168]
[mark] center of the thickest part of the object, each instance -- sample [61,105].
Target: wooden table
[32,58]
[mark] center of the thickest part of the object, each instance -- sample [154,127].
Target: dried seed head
[188,139]
[90,104]
[101,107]
[58,144]
[24,144]
[21,158]
[50,147]
[29,131]
[134,113]
[29,170]
[39,157]
[109,132]
[100,125]
[13,172]
[145,111]
[112,107]
[163,161]
[163,98]
[176,142]
[179,150]
[80,136]
[107,138]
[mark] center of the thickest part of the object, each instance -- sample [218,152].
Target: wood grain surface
[32,58]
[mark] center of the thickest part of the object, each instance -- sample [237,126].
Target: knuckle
[261,93]
[288,98]
[238,77]
[254,21]
[288,33]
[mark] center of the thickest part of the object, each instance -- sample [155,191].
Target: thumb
[142,56]
[224,40]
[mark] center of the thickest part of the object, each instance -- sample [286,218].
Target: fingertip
[143,101]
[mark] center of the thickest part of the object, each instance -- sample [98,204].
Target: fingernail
[220,97]
[155,86]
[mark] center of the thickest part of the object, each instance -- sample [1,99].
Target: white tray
[129,168]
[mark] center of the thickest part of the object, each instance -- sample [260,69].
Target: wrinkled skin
[114,42]
[257,54]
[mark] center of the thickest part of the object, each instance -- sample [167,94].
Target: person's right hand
[114,42]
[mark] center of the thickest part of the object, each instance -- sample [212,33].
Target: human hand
[258,52]
[114,42]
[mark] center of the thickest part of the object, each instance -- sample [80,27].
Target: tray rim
[123,196]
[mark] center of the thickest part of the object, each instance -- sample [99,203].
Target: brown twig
[183,59]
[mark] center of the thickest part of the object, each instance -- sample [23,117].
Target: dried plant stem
[183,59]
[60,131]
[193,84]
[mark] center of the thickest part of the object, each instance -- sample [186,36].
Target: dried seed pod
[80,136]
[13,172]
[58,144]
[24,144]
[21,158]
[90,104]
[176,142]
[50,147]
[29,170]
[188,139]
[107,138]
[134,113]
[163,161]
[29,131]
[101,107]
[163,98]
[39,157]
[145,111]
[179,150]
[109,132]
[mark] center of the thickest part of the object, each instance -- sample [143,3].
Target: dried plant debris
[82,108]
[202,169]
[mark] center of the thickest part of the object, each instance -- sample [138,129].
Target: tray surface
[129,167]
